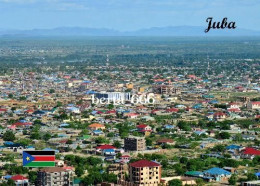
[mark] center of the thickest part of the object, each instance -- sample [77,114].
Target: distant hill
[154,31]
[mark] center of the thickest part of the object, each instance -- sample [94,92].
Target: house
[253,105]
[169,126]
[96,126]
[20,180]
[144,128]
[234,105]
[233,147]
[97,132]
[165,141]
[251,183]
[200,132]
[103,148]
[219,115]
[250,153]
[217,174]
[194,174]
[172,110]
[234,110]
[131,115]
[185,180]
[125,158]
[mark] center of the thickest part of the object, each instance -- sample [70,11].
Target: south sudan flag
[39,158]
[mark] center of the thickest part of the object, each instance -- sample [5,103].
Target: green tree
[51,91]
[46,136]
[32,176]
[9,136]
[224,135]
[79,171]
[175,182]
[148,141]
[251,177]
[110,106]
[117,144]
[199,182]
[10,96]
[232,180]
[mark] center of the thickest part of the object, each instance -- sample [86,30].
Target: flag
[39,158]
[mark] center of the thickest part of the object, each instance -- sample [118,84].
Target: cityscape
[127,98]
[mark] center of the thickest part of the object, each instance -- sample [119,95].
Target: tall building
[145,173]
[114,96]
[134,143]
[54,176]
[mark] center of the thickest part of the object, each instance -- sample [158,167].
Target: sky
[125,15]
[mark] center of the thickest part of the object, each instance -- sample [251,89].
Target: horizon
[145,28]
[125,15]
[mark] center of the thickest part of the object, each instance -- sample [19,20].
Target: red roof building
[22,124]
[144,163]
[251,151]
[172,110]
[144,128]
[103,147]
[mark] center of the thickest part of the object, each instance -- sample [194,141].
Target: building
[250,153]
[96,126]
[253,105]
[165,89]
[135,144]
[217,174]
[20,180]
[111,96]
[251,183]
[54,176]
[129,85]
[144,173]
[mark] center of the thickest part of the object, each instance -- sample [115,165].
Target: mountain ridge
[153,31]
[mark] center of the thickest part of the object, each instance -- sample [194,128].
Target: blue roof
[109,150]
[231,147]
[8,143]
[50,149]
[97,131]
[64,125]
[217,171]
[94,112]
[91,92]
[257,174]
[169,126]
[7,176]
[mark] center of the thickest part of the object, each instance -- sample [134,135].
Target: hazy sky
[125,14]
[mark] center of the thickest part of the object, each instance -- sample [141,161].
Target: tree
[79,171]
[251,177]
[51,91]
[224,135]
[100,140]
[199,182]
[9,136]
[232,180]
[219,148]
[117,144]
[175,182]
[47,136]
[110,106]
[32,176]
[148,141]
[35,135]
[69,141]
[10,96]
